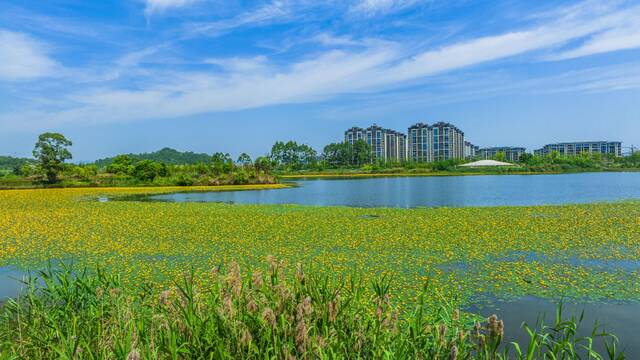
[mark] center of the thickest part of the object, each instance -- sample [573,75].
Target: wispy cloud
[276,10]
[377,7]
[342,65]
[158,6]
[24,58]
[621,36]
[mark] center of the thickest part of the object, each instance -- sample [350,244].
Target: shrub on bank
[258,315]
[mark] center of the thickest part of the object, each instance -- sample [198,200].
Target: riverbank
[128,182]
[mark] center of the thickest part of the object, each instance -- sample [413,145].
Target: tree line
[170,167]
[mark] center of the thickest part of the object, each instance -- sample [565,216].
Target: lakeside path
[578,251]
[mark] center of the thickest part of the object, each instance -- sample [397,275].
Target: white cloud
[621,37]
[156,6]
[262,15]
[23,58]
[376,7]
[240,64]
[372,66]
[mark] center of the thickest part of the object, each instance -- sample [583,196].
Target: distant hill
[9,162]
[166,155]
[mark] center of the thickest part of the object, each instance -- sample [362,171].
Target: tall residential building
[354,134]
[440,141]
[576,148]
[420,143]
[511,154]
[386,144]
[448,142]
[396,146]
[470,150]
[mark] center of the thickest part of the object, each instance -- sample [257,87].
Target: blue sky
[233,76]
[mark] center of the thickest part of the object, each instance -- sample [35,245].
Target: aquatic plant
[91,314]
[577,251]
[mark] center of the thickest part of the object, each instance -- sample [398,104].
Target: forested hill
[9,162]
[166,155]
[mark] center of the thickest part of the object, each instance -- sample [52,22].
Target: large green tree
[121,164]
[361,152]
[293,156]
[221,163]
[244,160]
[51,151]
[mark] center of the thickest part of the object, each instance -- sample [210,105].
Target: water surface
[450,191]
[620,319]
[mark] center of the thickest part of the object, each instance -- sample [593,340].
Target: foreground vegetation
[262,315]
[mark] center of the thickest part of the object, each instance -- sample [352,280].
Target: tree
[51,151]
[262,163]
[361,152]
[221,163]
[293,156]
[500,156]
[337,154]
[554,156]
[244,160]
[526,158]
[121,164]
[148,170]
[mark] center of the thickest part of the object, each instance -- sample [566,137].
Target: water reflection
[621,319]
[451,191]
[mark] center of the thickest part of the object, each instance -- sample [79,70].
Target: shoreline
[444,174]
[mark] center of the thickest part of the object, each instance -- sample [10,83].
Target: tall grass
[89,315]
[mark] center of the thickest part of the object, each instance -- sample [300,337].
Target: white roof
[486,163]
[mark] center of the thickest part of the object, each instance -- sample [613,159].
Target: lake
[449,191]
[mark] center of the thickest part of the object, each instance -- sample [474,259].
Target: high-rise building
[420,143]
[354,134]
[448,142]
[440,141]
[511,154]
[470,150]
[396,146]
[386,144]
[576,148]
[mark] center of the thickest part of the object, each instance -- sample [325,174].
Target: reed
[90,314]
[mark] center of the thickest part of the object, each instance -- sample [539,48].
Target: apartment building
[386,144]
[576,148]
[420,142]
[437,142]
[511,154]
[354,134]
[448,142]
[470,150]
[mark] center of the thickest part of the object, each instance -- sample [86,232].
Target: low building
[511,154]
[576,148]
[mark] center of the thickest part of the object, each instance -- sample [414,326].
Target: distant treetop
[166,155]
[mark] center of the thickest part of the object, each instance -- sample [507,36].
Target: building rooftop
[483,163]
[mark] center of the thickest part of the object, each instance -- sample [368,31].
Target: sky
[120,76]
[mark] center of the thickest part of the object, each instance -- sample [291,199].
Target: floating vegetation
[575,251]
